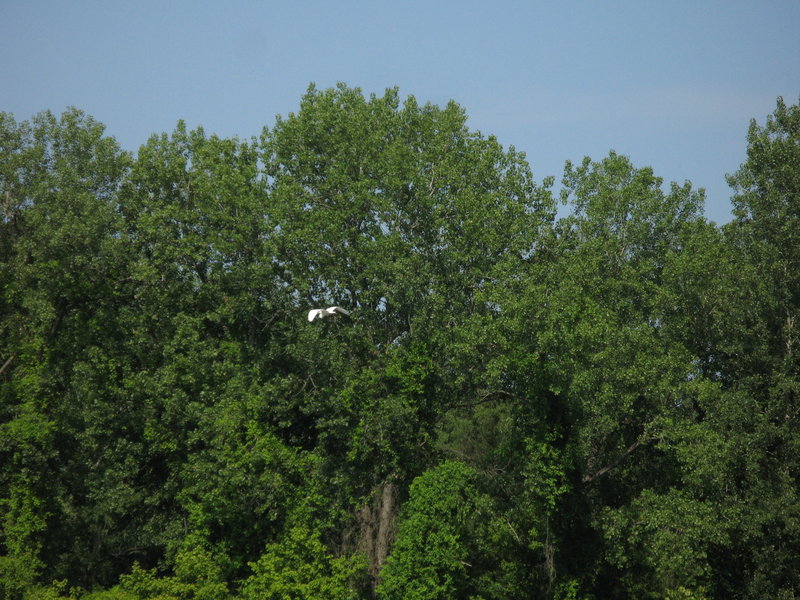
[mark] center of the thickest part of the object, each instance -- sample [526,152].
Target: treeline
[603,405]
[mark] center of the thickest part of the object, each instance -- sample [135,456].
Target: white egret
[324,313]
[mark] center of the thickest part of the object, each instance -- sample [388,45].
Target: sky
[671,84]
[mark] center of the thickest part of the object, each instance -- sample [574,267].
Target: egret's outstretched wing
[322,313]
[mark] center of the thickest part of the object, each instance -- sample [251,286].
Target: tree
[603,380]
[753,425]
[431,557]
[206,322]
[400,213]
[197,577]
[767,226]
[58,259]
[300,567]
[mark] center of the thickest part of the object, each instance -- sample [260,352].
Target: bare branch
[591,477]
[484,398]
[8,362]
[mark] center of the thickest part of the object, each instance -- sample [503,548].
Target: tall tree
[758,421]
[403,215]
[59,261]
[767,208]
[609,376]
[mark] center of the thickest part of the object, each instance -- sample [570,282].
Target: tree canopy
[598,405]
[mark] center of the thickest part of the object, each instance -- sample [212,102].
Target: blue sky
[672,85]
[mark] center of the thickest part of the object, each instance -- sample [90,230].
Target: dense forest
[526,401]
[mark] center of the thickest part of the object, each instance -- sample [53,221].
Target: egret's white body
[323,313]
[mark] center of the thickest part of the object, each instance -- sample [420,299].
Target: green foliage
[681,593]
[600,406]
[430,555]
[60,590]
[767,227]
[22,521]
[197,577]
[300,567]
[670,533]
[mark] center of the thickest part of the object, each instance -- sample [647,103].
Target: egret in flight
[324,313]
